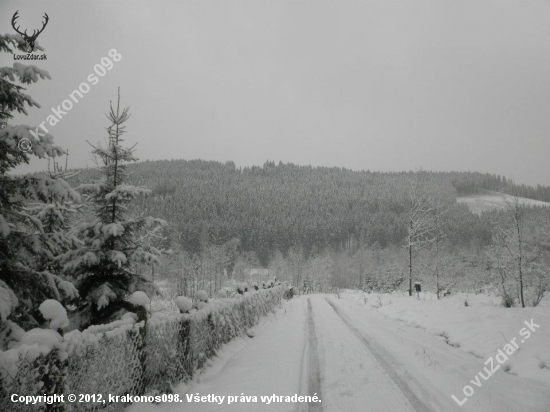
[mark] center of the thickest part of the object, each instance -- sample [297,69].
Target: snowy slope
[478,203]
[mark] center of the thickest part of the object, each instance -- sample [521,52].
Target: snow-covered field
[484,202]
[361,352]
[480,328]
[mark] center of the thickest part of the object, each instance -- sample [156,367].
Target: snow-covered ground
[269,363]
[480,328]
[478,203]
[382,353]
[445,344]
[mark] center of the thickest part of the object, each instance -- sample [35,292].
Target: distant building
[258,272]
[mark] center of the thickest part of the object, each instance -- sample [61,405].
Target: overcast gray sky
[379,85]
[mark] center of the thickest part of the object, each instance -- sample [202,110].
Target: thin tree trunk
[410,269]
[437,255]
[437,271]
[520,268]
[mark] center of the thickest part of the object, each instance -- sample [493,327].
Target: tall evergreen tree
[104,266]
[24,281]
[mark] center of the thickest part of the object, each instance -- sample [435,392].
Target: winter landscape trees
[281,211]
[103,265]
[30,232]
[44,252]
[420,224]
[128,278]
[332,227]
[518,251]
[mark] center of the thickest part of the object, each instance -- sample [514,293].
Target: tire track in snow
[353,380]
[313,362]
[416,403]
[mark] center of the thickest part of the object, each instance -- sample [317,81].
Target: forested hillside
[278,206]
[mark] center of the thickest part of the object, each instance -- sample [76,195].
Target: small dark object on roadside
[289,294]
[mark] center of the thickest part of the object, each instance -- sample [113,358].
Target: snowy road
[354,359]
[355,377]
[314,372]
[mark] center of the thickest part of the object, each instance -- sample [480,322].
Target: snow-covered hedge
[126,356]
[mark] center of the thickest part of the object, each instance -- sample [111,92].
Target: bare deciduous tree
[438,238]
[420,227]
[511,251]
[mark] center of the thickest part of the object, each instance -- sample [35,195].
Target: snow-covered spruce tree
[104,267]
[56,219]
[24,284]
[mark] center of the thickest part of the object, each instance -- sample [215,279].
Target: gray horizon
[380,86]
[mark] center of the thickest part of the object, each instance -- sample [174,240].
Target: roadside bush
[508,300]
[128,356]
